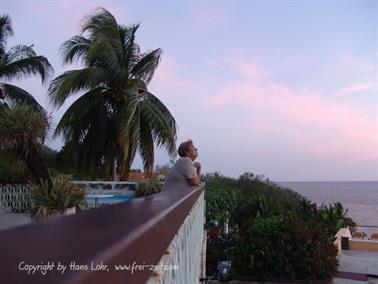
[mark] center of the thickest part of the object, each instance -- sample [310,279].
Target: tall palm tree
[20,60]
[22,132]
[115,116]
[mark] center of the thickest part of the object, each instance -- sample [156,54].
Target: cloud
[166,77]
[249,69]
[356,88]
[309,119]
[212,62]
[346,61]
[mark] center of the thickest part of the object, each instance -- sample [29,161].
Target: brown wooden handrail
[137,231]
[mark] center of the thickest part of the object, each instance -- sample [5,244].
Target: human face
[192,153]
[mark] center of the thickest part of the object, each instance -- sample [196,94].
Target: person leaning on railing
[186,172]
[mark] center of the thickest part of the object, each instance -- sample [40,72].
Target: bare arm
[197,180]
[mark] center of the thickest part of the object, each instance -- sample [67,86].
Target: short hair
[184,147]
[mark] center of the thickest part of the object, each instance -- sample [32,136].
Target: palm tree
[115,116]
[22,132]
[335,216]
[20,60]
[307,209]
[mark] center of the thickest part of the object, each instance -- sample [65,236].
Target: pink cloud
[356,88]
[212,62]
[346,61]
[166,78]
[344,58]
[314,122]
[250,69]
[243,92]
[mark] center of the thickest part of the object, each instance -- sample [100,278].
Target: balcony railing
[183,261]
[157,239]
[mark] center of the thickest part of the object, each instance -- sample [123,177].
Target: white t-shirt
[178,176]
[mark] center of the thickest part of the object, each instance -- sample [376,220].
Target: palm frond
[18,52]
[146,146]
[161,108]
[5,31]
[101,24]
[126,113]
[104,55]
[147,65]
[76,48]
[128,153]
[16,95]
[131,54]
[162,122]
[74,81]
[122,122]
[105,35]
[77,118]
[95,142]
[86,126]
[26,67]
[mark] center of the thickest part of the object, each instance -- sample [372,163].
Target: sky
[286,89]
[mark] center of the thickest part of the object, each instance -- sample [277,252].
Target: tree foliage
[285,248]
[115,116]
[17,62]
[22,132]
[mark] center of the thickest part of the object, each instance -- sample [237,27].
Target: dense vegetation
[115,117]
[274,232]
[23,122]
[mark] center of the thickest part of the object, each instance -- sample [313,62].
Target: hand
[197,165]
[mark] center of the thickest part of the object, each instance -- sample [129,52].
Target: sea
[359,197]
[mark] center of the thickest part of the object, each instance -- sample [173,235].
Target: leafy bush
[246,198]
[334,217]
[255,249]
[148,187]
[277,249]
[13,170]
[276,233]
[60,196]
[220,203]
[286,249]
[252,186]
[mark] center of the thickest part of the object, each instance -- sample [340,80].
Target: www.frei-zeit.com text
[44,268]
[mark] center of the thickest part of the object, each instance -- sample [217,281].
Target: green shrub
[60,196]
[221,203]
[253,186]
[275,232]
[334,217]
[249,255]
[289,249]
[148,187]
[13,170]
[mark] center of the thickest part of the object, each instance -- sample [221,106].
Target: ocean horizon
[360,198]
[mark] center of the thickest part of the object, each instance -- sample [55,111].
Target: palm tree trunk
[114,169]
[36,165]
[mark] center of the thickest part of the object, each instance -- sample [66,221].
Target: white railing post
[183,261]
